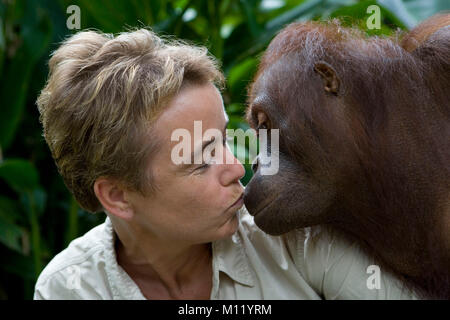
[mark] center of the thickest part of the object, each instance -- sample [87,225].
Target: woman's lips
[238,202]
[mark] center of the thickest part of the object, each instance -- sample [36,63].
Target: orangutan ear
[329,76]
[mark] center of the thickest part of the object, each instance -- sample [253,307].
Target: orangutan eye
[262,126]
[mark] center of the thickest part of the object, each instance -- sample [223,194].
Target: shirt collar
[122,286]
[231,258]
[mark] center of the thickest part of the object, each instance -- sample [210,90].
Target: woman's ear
[113,198]
[329,77]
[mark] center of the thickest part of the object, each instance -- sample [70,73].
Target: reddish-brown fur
[372,157]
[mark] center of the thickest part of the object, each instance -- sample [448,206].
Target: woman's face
[193,203]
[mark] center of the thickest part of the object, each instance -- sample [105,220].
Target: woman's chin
[229,227]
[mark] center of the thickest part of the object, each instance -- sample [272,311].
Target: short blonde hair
[102,96]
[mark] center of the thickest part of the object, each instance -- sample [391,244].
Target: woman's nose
[235,168]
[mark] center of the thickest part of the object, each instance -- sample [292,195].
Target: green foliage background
[38,217]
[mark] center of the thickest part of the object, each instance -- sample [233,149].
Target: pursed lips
[241,197]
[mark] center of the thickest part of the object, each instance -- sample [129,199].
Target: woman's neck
[164,268]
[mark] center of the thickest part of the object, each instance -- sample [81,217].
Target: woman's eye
[207,165]
[203,167]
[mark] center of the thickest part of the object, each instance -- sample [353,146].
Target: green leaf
[292,15]
[240,76]
[250,48]
[249,11]
[15,263]
[235,108]
[21,175]
[356,16]
[29,201]
[72,221]
[398,8]
[173,21]
[35,37]
[2,44]
[10,234]
[9,210]
[113,15]
[248,174]
[237,122]
[38,200]
[422,10]
[153,8]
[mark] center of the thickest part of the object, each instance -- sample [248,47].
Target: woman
[173,231]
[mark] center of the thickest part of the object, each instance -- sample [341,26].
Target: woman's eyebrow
[206,143]
[186,166]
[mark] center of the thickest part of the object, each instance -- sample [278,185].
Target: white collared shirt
[310,263]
